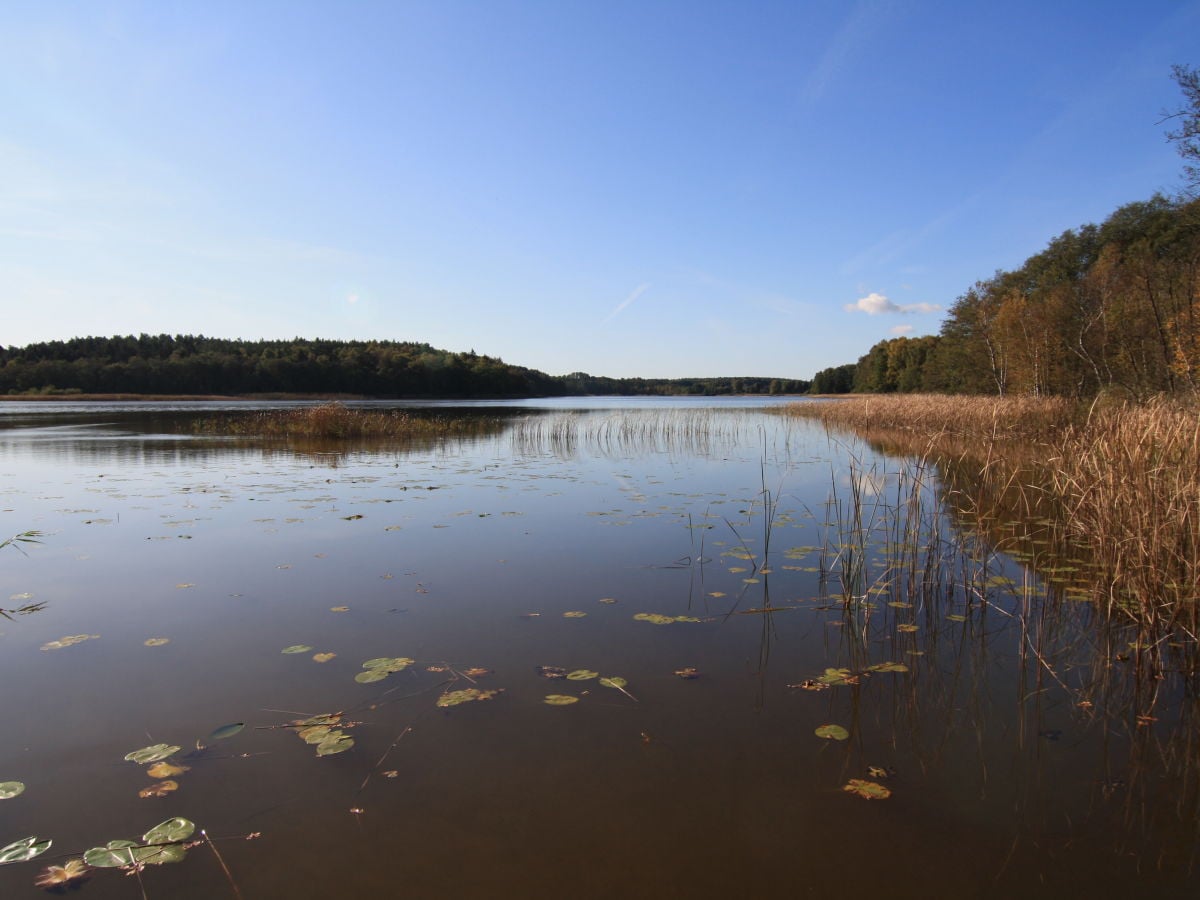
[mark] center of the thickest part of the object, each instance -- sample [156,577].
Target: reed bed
[1120,483]
[627,433]
[335,421]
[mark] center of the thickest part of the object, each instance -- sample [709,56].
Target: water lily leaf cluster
[322,731]
[164,843]
[381,667]
[26,848]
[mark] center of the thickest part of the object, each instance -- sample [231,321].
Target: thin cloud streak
[634,294]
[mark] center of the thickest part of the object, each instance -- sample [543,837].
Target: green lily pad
[615,681]
[560,699]
[226,731]
[888,667]
[838,676]
[10,789]
[381,667]
[314,734]
[112,855]
[832,733]
[153,753]
[582,675]
[170,831]
[296,648]
[118,854]
[335,742]
[26,848]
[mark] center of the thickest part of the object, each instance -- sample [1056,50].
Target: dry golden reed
[1123,479]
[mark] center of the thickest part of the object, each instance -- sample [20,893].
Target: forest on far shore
[1114,306]
[196,365]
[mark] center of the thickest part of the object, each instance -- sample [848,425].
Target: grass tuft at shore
[335,421]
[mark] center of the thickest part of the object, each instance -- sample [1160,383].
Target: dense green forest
[1110,306]
[197,365]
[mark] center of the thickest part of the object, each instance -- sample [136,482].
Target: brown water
[1009,742]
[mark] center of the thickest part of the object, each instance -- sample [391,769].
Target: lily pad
[156,642]
[551,671]
[26,848]
[335,742]
[654,618]
[226,731]
[455,698]
[166,770]
[153,753]
[68,641]
[888,667]
[560,699]
[615,681]
[832,733]
[10,789]
[582,675]
[868,790]
[838,676]
[118,854]
[370,675]
[323,657]
[296,648]
[574,614]
[159,789]
[170,831]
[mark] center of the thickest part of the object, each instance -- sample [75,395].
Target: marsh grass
[1115,486]
[626,433]
[333,421]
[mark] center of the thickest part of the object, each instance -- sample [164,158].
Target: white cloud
[900,329]
[877,304]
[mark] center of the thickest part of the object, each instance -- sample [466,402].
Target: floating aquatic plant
[560,699]
[868,790]
[68,641]
[381,667]
[832,732]
[10,789]
[153,753]
[296,648]
[26,848]
[467,695]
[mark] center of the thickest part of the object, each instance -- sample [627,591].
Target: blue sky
[658,189]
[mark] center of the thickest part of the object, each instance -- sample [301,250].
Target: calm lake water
[631,539]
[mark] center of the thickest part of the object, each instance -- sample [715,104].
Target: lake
[778,661]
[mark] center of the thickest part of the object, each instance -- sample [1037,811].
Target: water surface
[1009,770]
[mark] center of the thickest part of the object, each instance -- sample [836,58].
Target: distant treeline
[1114,306]
[197,365]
